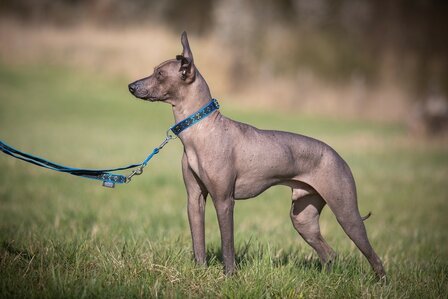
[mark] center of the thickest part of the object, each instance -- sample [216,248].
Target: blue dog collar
[195,117]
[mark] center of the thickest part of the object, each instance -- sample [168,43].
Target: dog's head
[169,79]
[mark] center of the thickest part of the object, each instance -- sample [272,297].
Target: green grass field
[66,237]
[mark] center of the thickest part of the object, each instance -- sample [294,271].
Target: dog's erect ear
[187,68]
[185,63]
[186,52]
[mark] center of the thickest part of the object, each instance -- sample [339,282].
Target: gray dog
[230,160]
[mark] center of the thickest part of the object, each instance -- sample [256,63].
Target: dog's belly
[255,180]
[245,189]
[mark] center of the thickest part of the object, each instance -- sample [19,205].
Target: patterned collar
[195,117]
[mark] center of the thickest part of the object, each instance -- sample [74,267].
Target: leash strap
[195,117]
[109,179]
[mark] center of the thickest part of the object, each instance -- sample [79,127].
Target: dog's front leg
[224,211]
[197,195]
[196,217]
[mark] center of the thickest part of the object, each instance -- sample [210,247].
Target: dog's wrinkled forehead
[169,65]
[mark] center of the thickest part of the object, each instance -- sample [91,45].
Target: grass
[62,236]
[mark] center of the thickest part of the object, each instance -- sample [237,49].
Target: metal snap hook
[169,136]
[137,171]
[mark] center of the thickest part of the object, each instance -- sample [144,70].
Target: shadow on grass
[255,254]
[250,254]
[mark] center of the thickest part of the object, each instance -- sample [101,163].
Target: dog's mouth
[151,98]
[146,94]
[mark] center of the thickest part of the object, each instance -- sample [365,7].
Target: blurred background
[370,78]
[384,60]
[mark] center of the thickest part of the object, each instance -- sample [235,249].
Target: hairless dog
[231,160]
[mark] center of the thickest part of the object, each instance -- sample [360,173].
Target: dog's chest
[208,164]
[193,160]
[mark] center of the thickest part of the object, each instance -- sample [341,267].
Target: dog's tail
[366,216]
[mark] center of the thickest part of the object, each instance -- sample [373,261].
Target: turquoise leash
[106,175]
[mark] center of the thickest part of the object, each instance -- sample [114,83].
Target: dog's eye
[159,75]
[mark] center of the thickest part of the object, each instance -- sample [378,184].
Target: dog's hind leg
[335,184]
[340,196]
[351,221]
[305,212]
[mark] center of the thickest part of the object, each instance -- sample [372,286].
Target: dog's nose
[131,87]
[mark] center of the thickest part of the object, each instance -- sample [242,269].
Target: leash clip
[138,171]
[167,139]
[169,136]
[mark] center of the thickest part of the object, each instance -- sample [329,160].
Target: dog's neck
[196,96]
